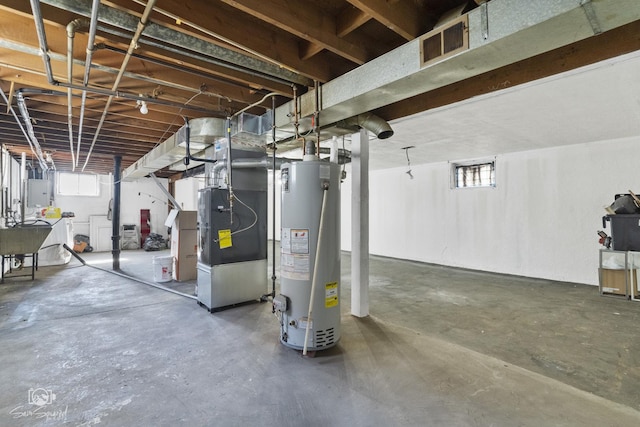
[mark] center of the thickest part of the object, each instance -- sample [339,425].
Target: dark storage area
[625,231]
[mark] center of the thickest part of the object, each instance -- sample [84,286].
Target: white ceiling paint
[594,103]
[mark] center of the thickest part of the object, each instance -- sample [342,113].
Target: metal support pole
[115,219]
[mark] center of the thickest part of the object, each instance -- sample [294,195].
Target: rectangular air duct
[445,41]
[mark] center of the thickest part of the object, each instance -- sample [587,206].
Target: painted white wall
[140,194]
[539,221]
[186,192]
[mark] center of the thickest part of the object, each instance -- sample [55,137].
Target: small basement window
[481,174]
[75,184]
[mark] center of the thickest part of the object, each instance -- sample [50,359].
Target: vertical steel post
[115,217]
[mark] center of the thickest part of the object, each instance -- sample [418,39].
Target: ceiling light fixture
[143,106]
[406,151]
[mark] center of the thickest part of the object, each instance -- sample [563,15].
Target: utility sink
[23,238]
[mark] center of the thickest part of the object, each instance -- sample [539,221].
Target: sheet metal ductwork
[369,121]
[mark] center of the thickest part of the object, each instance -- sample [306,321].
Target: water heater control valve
[280,303]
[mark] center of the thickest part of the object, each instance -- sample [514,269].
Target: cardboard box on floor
[614,281]
[184,243]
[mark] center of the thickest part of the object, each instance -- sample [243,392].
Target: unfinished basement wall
[136,195]
[540,220]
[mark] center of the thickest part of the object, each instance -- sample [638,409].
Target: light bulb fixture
[406,152]
[143,106]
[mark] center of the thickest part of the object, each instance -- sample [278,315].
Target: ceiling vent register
[445,41]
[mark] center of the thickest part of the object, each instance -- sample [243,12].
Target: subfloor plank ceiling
[208,58]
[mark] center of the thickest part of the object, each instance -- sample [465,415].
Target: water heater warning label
[295,266]
[331,294]
[294,247]
[299,241]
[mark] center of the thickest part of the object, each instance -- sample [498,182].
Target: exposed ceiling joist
[306,21]
[406,18]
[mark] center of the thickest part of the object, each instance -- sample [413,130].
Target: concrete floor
[442,347]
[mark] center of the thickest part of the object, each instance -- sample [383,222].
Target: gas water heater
[309,303]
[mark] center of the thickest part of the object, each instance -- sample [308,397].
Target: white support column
[360,224]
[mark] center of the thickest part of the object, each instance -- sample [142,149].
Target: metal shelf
[618,273]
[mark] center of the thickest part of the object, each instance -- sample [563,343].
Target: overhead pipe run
[32,139]
[72,27]
[162,36]
[135,97]
[181,68]
[93,24]
[15,116]
[144,19]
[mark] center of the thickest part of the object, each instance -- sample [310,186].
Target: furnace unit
[232,244]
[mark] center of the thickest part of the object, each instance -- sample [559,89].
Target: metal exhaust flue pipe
[369,121]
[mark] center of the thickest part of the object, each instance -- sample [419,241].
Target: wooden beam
[346,22]
[303,19]
[404,17]
[10,97]
[598,48]
[350,20]
[223,25]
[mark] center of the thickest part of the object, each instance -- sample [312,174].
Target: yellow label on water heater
[331,294]
[224,236]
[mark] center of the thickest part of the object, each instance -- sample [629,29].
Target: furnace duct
[369,121]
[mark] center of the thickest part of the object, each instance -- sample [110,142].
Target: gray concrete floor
[442,347]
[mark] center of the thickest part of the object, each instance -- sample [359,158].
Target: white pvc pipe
[23,167]
[23,185]
[315,271]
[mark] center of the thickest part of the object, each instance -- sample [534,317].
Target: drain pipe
[72,26]
[23,186]
[134,42]
[32,139]
[273,201]
[187,136]
[15,116]
[93,25]
[126,276]
[42,38]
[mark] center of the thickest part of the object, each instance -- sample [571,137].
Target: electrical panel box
[38,193]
